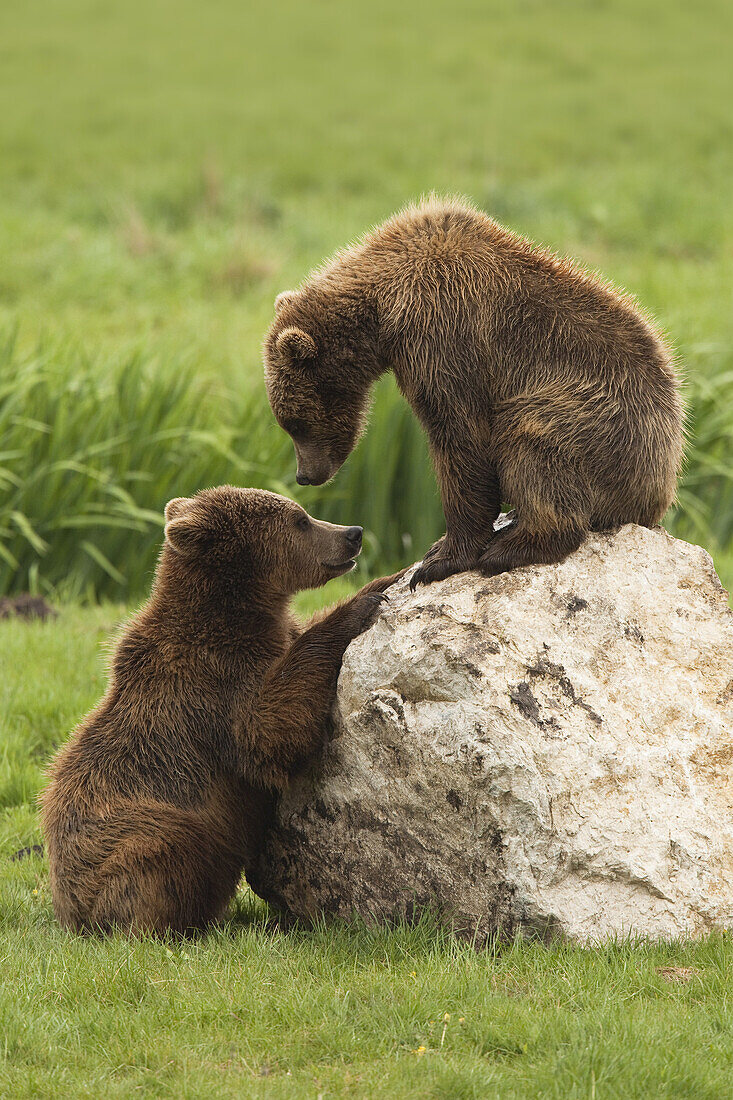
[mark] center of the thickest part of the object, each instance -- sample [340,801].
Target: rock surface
[548,751]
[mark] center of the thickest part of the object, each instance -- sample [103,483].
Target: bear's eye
[302,523]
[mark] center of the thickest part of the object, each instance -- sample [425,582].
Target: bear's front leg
[434,550]
[285,722]
[469,490]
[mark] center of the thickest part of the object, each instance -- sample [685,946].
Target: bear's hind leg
[548,493]
[519,545]
[144,894]
[171,873]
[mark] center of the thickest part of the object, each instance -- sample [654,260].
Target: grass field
[341,1011]
[165,169]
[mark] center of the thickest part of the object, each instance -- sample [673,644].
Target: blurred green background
[166,168]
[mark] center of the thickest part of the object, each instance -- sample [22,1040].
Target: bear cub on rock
[537,384]
[160,799]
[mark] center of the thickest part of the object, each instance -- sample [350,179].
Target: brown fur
[157,803]
[537,384]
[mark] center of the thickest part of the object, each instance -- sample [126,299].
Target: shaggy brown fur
[537,384]
[158,801]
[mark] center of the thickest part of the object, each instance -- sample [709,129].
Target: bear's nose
[302,479]
[353,535]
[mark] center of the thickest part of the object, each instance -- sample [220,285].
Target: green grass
[339,1011]
[168,167]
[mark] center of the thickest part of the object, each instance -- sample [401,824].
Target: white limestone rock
[548,751]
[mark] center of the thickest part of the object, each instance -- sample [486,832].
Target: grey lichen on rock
[548,751]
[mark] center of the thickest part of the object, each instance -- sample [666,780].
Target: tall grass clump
[90,452]
[705,511]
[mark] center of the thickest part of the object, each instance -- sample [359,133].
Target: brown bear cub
[159,800]
[537,384]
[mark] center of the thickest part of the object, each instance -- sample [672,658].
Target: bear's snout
[314,465]
[353,537]
[316,476]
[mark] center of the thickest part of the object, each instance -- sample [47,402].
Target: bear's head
[320,360]
[249,539]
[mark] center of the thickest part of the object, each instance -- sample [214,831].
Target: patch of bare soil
[26,607]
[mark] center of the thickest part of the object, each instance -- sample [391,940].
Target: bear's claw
[436,570]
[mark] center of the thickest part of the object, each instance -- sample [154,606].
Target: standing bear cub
[159,801]
[537,384]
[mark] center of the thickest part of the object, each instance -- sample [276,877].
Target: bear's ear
[186,533]
[176,507]
[296,344]
[282,299]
